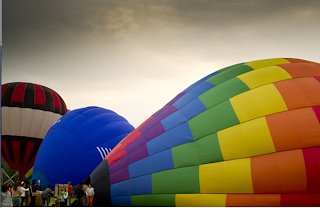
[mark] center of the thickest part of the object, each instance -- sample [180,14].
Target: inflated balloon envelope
[246,135]
[28,112]
[76,144]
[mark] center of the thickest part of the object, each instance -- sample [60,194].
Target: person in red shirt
[70,189]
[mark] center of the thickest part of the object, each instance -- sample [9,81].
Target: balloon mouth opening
[40,179]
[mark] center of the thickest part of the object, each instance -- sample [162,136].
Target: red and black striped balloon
[28,112]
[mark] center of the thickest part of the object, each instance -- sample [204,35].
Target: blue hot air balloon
[76,144]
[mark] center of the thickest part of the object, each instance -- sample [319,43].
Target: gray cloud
[144,52]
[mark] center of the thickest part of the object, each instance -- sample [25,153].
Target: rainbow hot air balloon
[77,143]
[28,111]
[246,135]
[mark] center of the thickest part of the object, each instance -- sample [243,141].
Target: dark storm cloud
[107,52]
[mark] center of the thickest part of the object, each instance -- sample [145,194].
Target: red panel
[312,161]
[18,93]
[29,148]
[3,88]
[300,200]
[131,137]
[117,155]
[253,200]
[57,103]
[5,150]
[317,112]
[16,150]
[146,121]
[40,97]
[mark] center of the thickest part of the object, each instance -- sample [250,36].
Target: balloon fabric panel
[294,129]
[235,127]
[27,120]
[82,139]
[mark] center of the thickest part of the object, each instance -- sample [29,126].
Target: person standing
[84,196]
[23,195]
[64,196]
[80,195]
[33,194]
[70,189]
[44,196]
[6,200]
[90,194]
[16,193]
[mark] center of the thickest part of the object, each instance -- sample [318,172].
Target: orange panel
[264,177]
[299,92]
[294,60]
[281,172]
[301,69]
[294,129]
[253,200]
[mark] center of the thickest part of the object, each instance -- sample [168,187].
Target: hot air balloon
[77,143]
[28,111]
[246,135]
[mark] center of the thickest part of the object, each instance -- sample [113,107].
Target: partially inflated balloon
[76,144]
[246,135]
[28,111]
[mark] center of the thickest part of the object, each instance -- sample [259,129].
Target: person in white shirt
[90,194]
[23,195]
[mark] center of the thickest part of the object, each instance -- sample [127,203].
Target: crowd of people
[15,195]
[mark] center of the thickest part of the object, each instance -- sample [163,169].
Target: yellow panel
[258,137]
[226,177]
[201,200]
[249,139]
[261,101]
[266,62]
[264,76]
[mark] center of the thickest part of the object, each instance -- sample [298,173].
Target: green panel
[213,120]
[229,73]
[223,92]
[153,200]
[176,181]
[228,67]
[201,151]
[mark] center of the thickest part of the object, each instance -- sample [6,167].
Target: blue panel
[154,163]
[176,136]
[173,120]
[140,167]
[201,80]
[193,108]
[201,88]
[186,98]
[134,186]
[122,201]
[192,94]
[162,161]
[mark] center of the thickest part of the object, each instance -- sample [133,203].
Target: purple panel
[176,98]
[153,132]
[148,125]
[121,175]
[164,112]
[137,154]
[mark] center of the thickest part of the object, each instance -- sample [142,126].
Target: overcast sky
[134,56]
